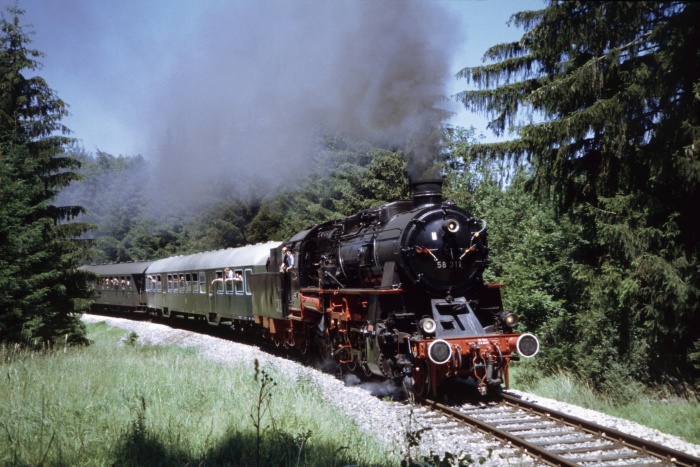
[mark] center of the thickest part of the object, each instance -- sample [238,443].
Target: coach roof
[118,269]
[250,255]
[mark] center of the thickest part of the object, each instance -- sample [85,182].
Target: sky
[242,87]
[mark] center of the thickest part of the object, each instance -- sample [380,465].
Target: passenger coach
[213,285]
[119,286]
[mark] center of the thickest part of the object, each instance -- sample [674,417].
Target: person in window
[287,260]
[228,273]
[290,259]
[238,278]
[218,278]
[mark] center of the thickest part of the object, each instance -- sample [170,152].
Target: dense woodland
[591,201]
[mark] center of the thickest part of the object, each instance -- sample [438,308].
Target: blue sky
[155,77]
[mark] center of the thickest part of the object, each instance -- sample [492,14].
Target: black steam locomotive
[395,291]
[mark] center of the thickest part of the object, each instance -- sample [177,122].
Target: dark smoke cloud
[238,91]
[261,80]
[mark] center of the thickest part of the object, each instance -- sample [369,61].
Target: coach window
[218,283]
[228,280]
[192,283]
[238,281]
[183,284]
[202,282]
[170,284]
[248,272]
[159,283]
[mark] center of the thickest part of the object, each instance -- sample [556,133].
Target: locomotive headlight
[509,318]
[450,226]
[439,352]
[527,345]
[428,326]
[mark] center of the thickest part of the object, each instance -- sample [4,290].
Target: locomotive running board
[312,290]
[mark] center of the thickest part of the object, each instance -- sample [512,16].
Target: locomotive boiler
[396,291]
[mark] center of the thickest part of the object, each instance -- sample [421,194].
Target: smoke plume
[238,92]
[260,81]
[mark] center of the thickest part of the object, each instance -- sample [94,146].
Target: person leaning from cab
[287,260]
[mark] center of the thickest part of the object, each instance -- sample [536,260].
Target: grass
[668,414]
[110,404]
[127,404]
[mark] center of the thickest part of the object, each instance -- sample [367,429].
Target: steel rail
[648,447]
[663,454]
[528,448]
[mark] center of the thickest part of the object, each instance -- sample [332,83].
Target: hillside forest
[591,195]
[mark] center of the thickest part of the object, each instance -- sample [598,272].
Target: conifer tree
[40,287]
[604,101]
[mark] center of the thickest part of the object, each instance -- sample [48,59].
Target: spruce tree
[604,101]
[41,289]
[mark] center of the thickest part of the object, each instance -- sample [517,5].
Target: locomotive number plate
[451,264]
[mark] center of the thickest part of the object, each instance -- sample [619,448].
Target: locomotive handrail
[333,278]
[352,291]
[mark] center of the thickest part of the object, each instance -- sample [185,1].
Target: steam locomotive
[395,291]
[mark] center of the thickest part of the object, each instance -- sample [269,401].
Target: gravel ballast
[388,421]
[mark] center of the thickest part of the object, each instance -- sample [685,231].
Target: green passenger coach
[213,285]
[119,286]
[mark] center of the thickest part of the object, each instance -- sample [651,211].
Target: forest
[591,198]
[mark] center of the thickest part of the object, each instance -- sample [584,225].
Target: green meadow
[115,403]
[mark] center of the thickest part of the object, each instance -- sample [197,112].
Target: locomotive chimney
[426,192]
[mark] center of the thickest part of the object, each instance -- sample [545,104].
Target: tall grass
[111,404]
[679,416]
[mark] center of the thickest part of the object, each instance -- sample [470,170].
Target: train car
[395,291]
[119,286]
[212,286]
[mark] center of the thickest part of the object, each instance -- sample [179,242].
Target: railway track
[536,435]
